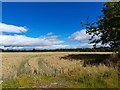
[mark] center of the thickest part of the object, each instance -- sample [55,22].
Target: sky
[46,25]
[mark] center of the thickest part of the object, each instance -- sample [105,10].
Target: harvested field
[58,69]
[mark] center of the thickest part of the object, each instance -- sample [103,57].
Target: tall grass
[64,70]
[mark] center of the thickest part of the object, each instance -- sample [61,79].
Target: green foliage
[107,26]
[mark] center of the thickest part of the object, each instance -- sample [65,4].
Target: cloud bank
[49,41]
[21,41]
[11,28]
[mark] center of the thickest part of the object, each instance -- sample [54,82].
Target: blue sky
[50,19]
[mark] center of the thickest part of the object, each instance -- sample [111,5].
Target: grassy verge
[107,79]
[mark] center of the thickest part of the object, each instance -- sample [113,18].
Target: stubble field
[58,70]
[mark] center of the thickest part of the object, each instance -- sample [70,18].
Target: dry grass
[50,64]
[12,61]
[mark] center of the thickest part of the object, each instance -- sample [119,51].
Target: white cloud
[49,41]
[11,28]
[60,46]
[80,36]
[85,45]
[81,45]
[22,40]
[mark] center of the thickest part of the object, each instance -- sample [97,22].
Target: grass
[0,86]
[22,68]
[59,70]
[99,80]
[95,81]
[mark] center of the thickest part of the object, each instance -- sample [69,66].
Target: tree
[106,27]
[33,50]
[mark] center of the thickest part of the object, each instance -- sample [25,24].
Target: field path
[33,63]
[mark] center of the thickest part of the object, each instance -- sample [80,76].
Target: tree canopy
[106,27]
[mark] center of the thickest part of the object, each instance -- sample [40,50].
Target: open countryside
[60,45]
[58,70]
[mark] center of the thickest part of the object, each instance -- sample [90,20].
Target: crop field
[58,70]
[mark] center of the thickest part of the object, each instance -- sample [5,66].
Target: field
[58,70]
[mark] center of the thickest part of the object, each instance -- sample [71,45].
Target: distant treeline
[101,49]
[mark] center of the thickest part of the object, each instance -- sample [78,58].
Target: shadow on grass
[89,59]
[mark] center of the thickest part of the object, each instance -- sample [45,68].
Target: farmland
[58,70]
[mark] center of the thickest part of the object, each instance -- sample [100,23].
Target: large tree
[107,26]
